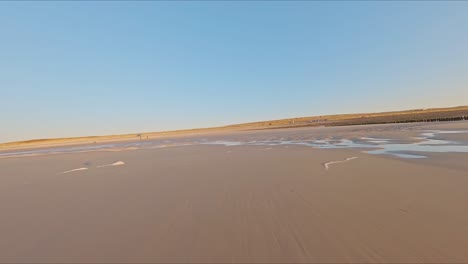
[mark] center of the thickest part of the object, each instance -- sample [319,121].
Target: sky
[84,68]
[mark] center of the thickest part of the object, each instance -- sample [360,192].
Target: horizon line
[234,125]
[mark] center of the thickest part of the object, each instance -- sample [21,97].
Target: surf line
[118,163]
[79,169]
[326,165]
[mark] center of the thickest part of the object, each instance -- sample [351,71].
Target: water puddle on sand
[426,143]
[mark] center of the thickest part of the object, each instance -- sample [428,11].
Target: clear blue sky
[96,68]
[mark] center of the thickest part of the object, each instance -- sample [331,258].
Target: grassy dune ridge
[415,115]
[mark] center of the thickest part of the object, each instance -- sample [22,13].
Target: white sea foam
[327,164]
[79,169]
[427,141]
[376,140]
[118,163]
[226,143]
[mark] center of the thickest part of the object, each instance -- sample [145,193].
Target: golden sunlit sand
[239,203]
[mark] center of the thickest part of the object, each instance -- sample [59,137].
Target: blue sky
[97,68]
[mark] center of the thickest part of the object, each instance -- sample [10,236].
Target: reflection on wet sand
[427,141]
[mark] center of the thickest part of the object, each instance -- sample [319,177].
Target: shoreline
[453,114]
[401,140]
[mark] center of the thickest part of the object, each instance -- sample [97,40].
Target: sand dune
[415,115]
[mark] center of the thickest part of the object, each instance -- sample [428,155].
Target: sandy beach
[160,131]
[195,201]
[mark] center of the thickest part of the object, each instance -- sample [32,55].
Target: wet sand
[434,115]
[251,204]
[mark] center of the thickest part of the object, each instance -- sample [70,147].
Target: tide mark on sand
[118,163]
[79,169]
[326,165]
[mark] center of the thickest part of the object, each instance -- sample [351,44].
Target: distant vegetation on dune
[416,115]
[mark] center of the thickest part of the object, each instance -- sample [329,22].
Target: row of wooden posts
[437,119]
